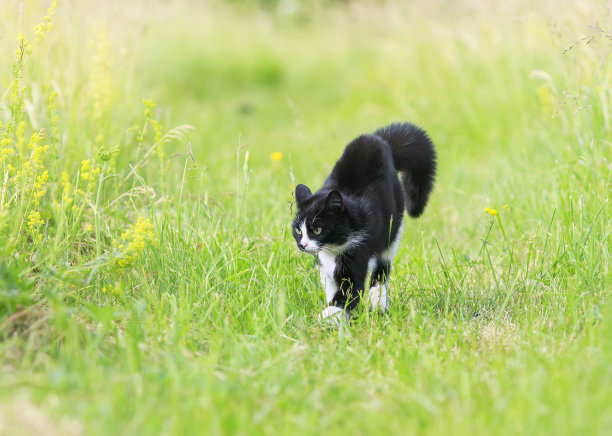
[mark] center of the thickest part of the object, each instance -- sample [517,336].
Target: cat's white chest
[327,267]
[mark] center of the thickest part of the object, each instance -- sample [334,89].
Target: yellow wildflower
[45,26]
[134,241]
[5,150]
[34,221]
[34,141]
[51,106]
[39,193]
[159,131]
[111,289]
[66,188]
[85,167]
[148,104]
[20,135]
[42,179]
[276,156]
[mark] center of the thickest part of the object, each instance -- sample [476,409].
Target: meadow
[149,281]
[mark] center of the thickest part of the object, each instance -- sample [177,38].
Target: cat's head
[321,221]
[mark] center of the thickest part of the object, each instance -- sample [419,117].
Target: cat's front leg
[327,269]
[350,275]
[332,314]
[343,278]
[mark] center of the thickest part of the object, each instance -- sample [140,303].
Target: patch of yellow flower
[5,150]
[133,242]
[111,289]
[20,135]
[51,107]
[493,211]
[85,168]
[34,221]
[276,156]
[42,28]
[66,188]
[88,174]
[148,104]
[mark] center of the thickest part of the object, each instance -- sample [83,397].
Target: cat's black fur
[359,209]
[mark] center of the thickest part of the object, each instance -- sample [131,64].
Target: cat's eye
[298,231]
[317,231]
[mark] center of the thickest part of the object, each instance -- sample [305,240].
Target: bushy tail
[414,156]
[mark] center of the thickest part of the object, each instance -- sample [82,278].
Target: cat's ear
[302,193]
[334,201]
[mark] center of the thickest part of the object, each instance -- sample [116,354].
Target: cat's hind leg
[381,268]
[377,294]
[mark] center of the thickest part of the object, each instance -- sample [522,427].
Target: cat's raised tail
[413,156]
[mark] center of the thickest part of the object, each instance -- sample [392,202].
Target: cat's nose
[303,244]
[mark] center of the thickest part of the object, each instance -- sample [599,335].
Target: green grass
[203,317]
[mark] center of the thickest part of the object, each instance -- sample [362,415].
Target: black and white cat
[352,225]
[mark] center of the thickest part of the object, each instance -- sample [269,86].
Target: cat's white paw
[331,314]
[378,297]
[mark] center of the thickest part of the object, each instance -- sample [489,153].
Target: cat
[352,225]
